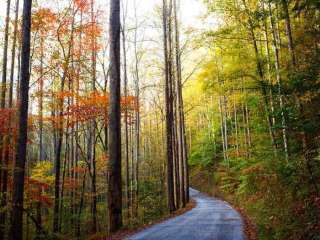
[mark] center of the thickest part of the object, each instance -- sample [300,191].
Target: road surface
[211,219]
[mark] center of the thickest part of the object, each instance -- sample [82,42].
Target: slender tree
[5,57]
[125,92]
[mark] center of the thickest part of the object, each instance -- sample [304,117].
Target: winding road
[211,219]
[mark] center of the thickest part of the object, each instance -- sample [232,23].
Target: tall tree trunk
[58,166]
[169,120]
[279,84]
[137,115]
[222,130]
[19,166]
[2,106]
[271,117]
[235,110]
[13,52]
[60,126]
[287,19]
[78,230]
[8,142]
[114,164]
[180,112]
[93,126]
[5,57]
[125,76]
[41,150]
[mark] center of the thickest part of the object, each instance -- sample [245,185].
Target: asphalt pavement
[211,219]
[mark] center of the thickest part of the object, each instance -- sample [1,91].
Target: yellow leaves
[42,171]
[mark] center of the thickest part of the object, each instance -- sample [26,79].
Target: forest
[110,110]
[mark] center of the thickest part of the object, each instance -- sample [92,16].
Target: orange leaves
[91,33]
[93,106]
[83,5]
[43,20]
[130,103]
[87,108]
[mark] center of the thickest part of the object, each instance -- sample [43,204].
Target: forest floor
[210,219]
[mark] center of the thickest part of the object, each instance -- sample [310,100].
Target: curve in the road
[211,219]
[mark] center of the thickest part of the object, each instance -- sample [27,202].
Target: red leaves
[36,184]
[7,117]
[35,191]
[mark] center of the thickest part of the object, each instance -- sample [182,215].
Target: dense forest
[109,112]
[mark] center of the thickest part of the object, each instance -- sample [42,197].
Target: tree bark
[19,166]
[5,57]
[279,84]
[287,19]
[114,164]
[137,117]
[169,119]
[126,133]
[93,126]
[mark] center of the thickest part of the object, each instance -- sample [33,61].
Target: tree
[114,161]
[3,165]
[21,155]
[169,113]
[8,139]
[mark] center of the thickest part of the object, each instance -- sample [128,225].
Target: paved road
[211,219]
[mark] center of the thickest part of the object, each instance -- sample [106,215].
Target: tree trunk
[169,120]
[8,141]
[182,156]
[3,139]
[271,117]
[41,151]
[279,84]
[284,4]
[93,126]
[5,57]
[114,164]
[137,122]
[19,166]
[125,76]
